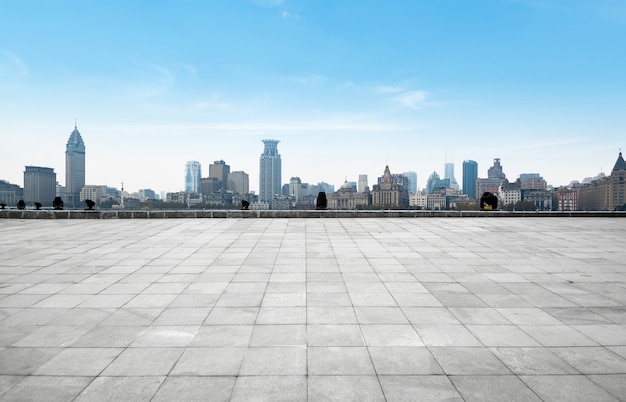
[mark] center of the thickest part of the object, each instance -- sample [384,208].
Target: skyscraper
[39,185]
[193,175]
[362,183]
[412,177]
[470,174]
[270,171]
[449,175]
[238,182]
[220,170]
[74,167]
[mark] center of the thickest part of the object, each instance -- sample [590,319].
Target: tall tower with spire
[74,166]
[270,171]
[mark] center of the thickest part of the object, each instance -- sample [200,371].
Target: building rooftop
[313,309]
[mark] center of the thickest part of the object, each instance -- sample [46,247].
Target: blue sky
[346,86]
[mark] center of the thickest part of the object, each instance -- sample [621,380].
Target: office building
[40,185]
[390,194]
[412,181]
[10,194]
[449,175]
[362,185]
[495,177]
[193,175]
[74,167]
[238,182]
[220,170]
[270,172]
[470,174]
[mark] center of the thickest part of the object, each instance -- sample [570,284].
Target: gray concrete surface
[517,309]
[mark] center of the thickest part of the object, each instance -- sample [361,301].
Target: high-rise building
[193,175]
[431,183]
[40,185]
[412,178]
[10,194]
[389,194]
[239,182]
[74,167]
[270,172]
[220,170]
[495,177]
[495,172]
[470,174]
[362,185]
[449,175]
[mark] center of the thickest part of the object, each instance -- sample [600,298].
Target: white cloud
[412,99]
[387,89]
[310,79]
[11,65]
[290,16]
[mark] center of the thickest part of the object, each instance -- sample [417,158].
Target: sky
[346,86]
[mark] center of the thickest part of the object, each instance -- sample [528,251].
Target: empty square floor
[363,309]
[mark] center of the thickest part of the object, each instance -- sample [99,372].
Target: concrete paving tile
[79,362]
[478,316]
[121,388]
[279,335]
[232,315]
[81,316]
[165,336]
[592,360]
[106,301]
[354,388]
[403,360]
[151,301]
[54,301]
[23,361]
[339,361]
[576,315]
[468,361]
[137,362]
[222,335]
[334,335]
[322,287]
[222,361]
[533,361]
[502,335]
[328,299]
[566,388]
[30,316]
[372,299]
[528,316]
[275,360]
[380,315]
[614,384]
[240,300]
[606,334]
[270,388]
[416,300]
[446,335]
[391,335]
[182,316]
[42,388]
[618,350]
[493,388]
[109,337]
[132,317]
[285,299]
[331,315]
[430,315]
[615,314]
[425,388]
[207,300]
[282,315]
[53,336]
[195,389]
[557,335]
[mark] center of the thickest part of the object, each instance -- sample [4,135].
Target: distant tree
[520,206]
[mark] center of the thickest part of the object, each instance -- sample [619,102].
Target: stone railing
[239,214]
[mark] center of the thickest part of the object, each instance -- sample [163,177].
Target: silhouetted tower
[74,167]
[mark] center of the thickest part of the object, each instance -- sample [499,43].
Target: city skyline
[347,88]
